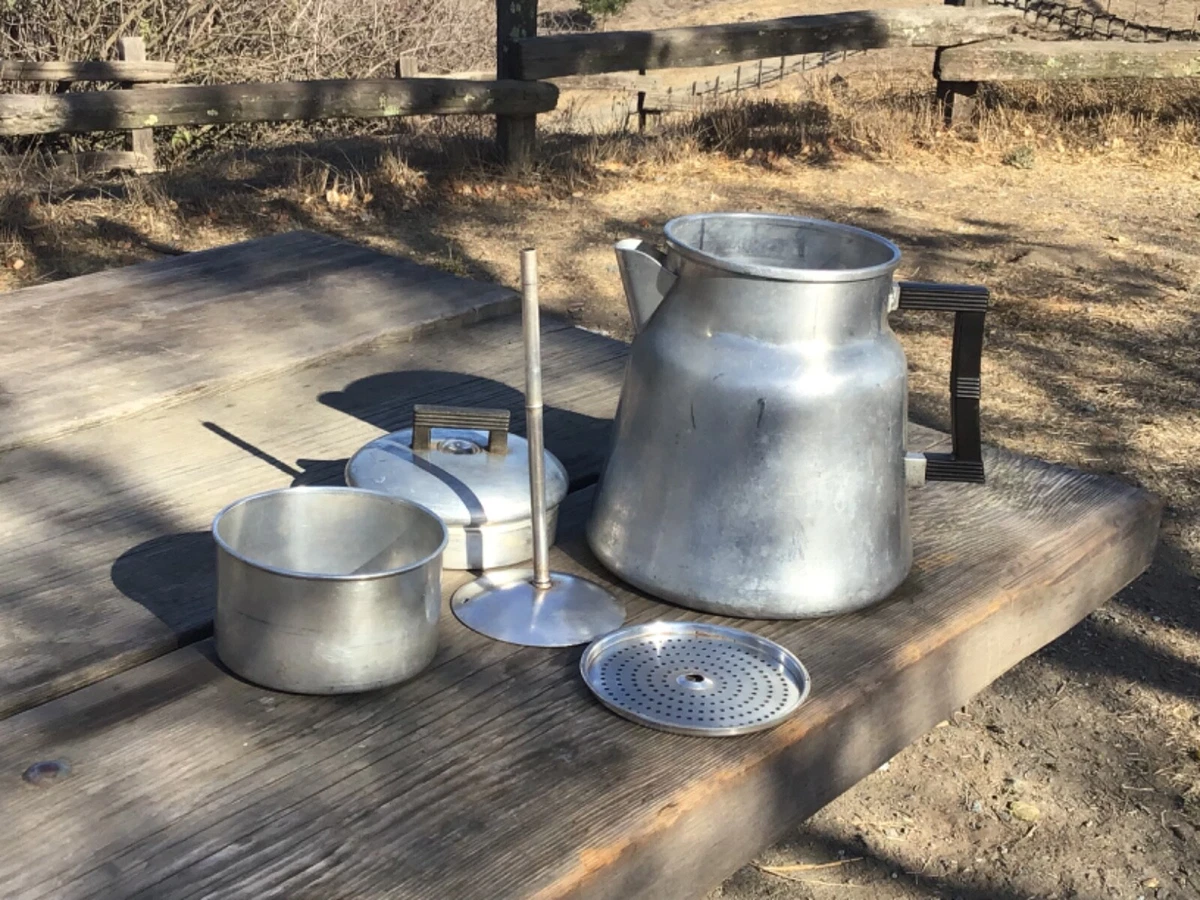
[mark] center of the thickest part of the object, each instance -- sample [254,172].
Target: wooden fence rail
[271,102]
[121,70]
[707,45]
[1028,60]
[132,70]
[975,44]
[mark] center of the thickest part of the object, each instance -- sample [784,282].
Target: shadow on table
[174,576]
[385,400]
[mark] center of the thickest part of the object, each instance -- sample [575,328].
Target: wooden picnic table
[139,402]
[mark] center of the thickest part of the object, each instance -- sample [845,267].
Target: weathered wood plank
[406,66]
[1027,60]
[92,161]
[495,771]
[141,71]
[140,141]
[100,161]
[196,104]
[107,345]
[958,101]
[906,686]
[707,45]
[106,559]
[516,136]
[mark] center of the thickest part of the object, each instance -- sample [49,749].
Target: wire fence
[748,76]
[1121,20]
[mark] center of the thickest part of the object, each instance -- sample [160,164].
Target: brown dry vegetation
[230,41]
[1079,206]
[49,216]
[252,40]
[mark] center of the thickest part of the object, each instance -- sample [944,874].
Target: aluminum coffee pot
[758,464]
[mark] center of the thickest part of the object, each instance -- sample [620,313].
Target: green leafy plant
[1020,158]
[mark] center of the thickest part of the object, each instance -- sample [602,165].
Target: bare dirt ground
[1077,775]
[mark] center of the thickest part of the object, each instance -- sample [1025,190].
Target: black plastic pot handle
[969,304]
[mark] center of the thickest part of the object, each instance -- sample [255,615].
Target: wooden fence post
[516,136]
[139,140]
[641,106]
[406,66]
[957,98]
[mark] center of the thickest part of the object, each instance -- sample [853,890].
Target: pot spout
[645,277]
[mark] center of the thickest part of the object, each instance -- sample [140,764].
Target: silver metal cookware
[695,678]
[464,465]
[326,590]
[536,607]
[758,463]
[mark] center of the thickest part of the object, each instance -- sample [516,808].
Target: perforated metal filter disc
[691,678]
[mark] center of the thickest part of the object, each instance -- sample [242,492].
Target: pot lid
[466,467]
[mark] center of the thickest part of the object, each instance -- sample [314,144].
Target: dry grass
[232,41]
[1159,118]
[889,115]
[1095,267]
[822,120]
[249,40]
[49,216]
[894,115]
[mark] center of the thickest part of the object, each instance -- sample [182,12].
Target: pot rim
[783,273]
[223,545]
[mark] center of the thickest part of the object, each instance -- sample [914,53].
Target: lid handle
[493,421]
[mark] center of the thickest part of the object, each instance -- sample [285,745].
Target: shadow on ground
[1044,346]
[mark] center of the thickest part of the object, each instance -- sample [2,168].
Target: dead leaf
[17,264]
[1024,811]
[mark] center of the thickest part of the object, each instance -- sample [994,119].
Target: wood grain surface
[94,348]
[1027,60]
[93,161]
[141,71]
[495,774]
[279,101]
[709,45]
[107,561]
[140,141]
